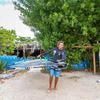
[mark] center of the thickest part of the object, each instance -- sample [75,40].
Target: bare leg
[50,82]
[56,81]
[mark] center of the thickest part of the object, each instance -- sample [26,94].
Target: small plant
[44,70]
[2,66]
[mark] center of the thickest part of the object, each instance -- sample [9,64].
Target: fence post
[94,63]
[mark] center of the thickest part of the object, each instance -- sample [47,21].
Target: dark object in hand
[60,66]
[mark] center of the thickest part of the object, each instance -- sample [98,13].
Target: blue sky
[9,19]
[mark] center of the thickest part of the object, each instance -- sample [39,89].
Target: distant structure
[26,50]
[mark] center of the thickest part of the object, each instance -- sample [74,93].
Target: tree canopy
[74,21]
[24,40]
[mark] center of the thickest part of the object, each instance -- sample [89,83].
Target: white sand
[33,86]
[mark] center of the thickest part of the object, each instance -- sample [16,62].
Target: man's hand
[59,61]
[39,56]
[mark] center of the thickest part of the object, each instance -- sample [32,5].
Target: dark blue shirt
[59,55]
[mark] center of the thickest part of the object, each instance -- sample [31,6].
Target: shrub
[2,65]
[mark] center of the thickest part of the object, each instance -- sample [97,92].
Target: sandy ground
[33,86]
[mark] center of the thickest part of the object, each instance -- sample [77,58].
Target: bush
[44,70]
[2,65]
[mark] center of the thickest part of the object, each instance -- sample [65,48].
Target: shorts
[55,73]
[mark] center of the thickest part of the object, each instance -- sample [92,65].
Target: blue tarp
[12,60]
[81,66]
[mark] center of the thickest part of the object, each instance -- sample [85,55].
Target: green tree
[24,40]
[7,41]
[61,19]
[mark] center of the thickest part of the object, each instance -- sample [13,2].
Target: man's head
[60,45]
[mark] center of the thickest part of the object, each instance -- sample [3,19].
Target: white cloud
[5,1]
[9,18]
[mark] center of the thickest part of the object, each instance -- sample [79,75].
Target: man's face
[61,46]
